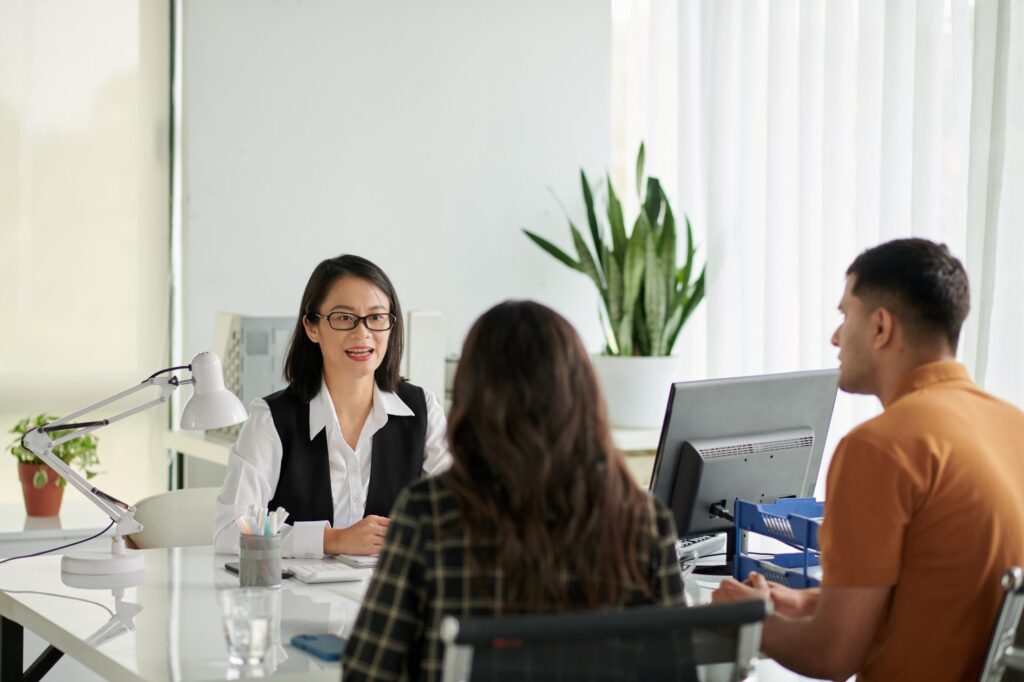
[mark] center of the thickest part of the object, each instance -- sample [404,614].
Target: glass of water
[252,615]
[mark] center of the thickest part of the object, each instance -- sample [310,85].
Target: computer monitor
[756,438]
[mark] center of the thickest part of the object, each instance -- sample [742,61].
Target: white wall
[421,135]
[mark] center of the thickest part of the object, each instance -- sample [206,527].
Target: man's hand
[785,600]
[793,603]
[365,537]
[730,590]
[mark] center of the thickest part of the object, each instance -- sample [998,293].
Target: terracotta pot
[43,501]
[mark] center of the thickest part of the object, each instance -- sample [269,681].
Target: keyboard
[357,561]
[327,573]
[688,549]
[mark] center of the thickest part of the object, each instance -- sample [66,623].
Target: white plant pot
[636,388]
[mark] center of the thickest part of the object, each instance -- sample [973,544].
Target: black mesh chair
[643,643]
[1005,659]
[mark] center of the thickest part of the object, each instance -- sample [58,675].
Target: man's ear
[312,330]
[883,327]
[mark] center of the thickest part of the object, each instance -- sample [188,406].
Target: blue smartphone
[326,647]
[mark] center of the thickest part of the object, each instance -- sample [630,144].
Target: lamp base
[96,562]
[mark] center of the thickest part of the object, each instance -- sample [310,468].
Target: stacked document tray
[794,521]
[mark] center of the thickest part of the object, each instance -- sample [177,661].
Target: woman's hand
[364,537]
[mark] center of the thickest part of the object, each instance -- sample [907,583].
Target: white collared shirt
[254,467]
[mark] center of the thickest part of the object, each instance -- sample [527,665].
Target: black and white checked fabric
[425,573]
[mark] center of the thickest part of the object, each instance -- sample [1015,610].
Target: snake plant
[647,295]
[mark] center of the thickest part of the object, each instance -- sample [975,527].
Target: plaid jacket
[424,574]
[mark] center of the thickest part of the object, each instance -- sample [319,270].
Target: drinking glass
[251,617]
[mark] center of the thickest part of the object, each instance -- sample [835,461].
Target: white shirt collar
[321,408]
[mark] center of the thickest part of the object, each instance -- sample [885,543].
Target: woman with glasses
[538,512]
[337,445]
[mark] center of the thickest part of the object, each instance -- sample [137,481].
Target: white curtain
[84,222]
[796,133]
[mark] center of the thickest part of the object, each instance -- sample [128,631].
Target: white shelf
[196,444]
[631,440]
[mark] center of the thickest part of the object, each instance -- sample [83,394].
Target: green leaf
[696,295]
[39,479]
[640,171]
[624,334]
[618,226]
[683,278]
[615,293]
[654,296]
[667,249]
[587,264]
[633,273]
[652,204]
[553,250]
[641,342]
[595,230]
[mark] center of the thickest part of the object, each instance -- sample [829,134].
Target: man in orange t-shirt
[924,504]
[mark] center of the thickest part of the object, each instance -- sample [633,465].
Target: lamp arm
[39,442]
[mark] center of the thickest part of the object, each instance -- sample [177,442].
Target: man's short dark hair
[921,282]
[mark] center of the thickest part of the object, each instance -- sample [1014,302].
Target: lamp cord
[54,549]
[169,369]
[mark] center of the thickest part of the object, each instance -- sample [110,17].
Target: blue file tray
[786,569]
[794,521]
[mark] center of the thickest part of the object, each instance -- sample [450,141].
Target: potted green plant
[41,487]
[647,294]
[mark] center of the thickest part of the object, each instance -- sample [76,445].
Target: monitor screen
[756,438]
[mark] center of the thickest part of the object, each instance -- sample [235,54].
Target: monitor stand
[726,568]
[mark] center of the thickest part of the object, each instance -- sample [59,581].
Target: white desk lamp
[211,407]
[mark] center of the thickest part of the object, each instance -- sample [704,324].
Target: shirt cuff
[304,540]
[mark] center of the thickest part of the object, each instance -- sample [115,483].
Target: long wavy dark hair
[534,467]
[304,362]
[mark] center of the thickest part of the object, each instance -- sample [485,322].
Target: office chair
[179,518]
[643,643]
[1005,658]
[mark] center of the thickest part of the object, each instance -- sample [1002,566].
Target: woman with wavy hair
[537,514]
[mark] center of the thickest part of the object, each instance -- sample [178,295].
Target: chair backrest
[1005,658]
[642,643]
[179,518]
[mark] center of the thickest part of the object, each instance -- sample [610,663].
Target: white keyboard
[327,573]
[702,545]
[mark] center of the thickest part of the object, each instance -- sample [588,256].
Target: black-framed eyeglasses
[346,322]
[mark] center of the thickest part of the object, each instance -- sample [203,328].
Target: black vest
[304,488]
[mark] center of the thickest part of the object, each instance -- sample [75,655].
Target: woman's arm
[391,618]
[254,467]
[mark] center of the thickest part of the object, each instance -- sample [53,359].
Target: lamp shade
[211,406]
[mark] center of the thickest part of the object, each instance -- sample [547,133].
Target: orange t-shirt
[928,498]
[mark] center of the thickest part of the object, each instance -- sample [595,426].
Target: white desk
[177,632]
[78,519]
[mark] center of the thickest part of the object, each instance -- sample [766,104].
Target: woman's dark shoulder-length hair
[304,363]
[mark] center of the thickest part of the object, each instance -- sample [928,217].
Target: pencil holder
[259,558]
